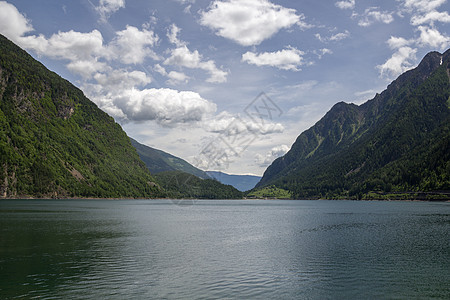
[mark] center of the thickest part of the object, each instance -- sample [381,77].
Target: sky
[227,85]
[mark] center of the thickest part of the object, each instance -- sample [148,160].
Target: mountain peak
[396,142]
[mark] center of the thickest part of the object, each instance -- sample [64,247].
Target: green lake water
[216,249]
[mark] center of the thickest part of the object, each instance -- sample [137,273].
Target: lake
[214,249]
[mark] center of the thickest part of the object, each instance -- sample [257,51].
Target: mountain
[184,185]
[180,179]
[55,142]
[395,146]
[240,182]
[158,161]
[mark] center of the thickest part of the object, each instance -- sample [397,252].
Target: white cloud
[433,38]
[398,63]
[167,107]
[249,22]
[172,35]
[174,77]
[334,38]
[131,45]
[340,36]
[430,18]
[82,50]
[86,68]
[398,42]
[321,52]
[423,5]
[107,7]
[12,23]
[234,125]
[115,80]
[286,59]
[183,57]
[424,15]
[348,4]
[74,45]
[372,15]
[274,153]
[425,11]
[120,92]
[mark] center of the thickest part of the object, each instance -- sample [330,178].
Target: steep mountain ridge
[158,161]
[341,154]
[55,142]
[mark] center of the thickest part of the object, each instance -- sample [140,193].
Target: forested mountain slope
[396,145]
[158,161]
[54,142]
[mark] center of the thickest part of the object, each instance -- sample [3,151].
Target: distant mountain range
[158,161]
[395,146]
[240,182]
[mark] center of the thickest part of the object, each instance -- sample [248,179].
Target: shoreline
[30,198]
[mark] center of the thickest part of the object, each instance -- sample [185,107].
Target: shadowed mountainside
[393,146]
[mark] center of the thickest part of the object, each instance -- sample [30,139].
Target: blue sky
[184,76]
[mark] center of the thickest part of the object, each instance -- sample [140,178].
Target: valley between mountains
[56,143]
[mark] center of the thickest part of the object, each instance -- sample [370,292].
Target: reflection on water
[224,249]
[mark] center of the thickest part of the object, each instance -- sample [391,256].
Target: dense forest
[395,146]
[54,142]
[184,185]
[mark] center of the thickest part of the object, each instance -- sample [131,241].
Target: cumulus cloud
[423,5]
[107,7]
[131,45]
[122,94]
[86,68]
[372,15]
[433,38]
[274,153]
[348,4]
[424,17]
[119,91]
[172,35]
[430,18]
[73,45]
[12,23]
[183,57]
[234,125]
[286,59]
[398,42]
[425,11]
[249,22]
[116,80]
[400,61]
[174,76]
[167,107]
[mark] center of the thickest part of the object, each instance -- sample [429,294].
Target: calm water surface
[146,249]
